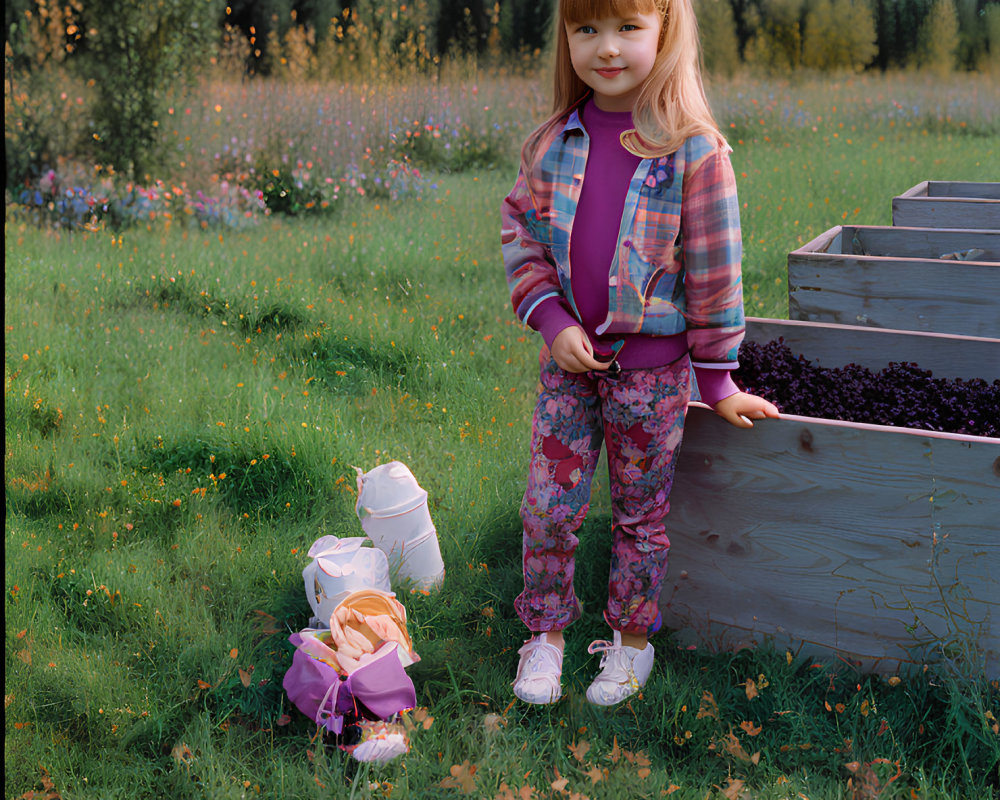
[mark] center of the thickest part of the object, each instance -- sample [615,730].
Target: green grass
[184,410]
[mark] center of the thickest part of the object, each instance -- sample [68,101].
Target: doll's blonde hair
[671,106]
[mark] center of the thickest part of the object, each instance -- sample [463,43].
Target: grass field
[184,409]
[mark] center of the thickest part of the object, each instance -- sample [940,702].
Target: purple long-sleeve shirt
[595,235]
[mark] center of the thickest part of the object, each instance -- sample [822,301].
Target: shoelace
[615,665]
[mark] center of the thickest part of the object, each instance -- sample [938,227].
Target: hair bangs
[576,11]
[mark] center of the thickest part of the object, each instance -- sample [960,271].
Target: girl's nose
[608,47]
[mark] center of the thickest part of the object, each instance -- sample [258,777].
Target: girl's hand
[573,351]
[738,409]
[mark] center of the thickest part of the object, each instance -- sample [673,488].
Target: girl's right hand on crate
[740,408]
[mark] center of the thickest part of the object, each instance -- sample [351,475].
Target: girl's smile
[614,56]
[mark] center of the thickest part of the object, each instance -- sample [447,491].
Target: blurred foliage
[122,60]
[129,48]
[720,45]
[938,39]
[839,34]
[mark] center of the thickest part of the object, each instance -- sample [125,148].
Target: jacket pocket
[656,224]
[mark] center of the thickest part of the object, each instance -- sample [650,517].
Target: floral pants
[640,417]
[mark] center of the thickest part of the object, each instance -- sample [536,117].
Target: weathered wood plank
[831,345]
[982,190]
[932,243]
[948,204]
[831,279]
[852,539]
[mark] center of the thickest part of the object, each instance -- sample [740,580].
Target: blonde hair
[671,106]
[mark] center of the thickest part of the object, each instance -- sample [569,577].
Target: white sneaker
[539,671]
[624,671]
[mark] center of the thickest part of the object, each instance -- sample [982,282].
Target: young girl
[622,247]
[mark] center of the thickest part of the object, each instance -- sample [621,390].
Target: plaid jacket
[677,263]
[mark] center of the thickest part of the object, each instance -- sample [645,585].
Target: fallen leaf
[751,688]
[204,684]
[615,753]
[639,758]
[505,793]
[233,653]
[595,774]
[708,707]
[266,623]
[526,792]
[579,751]
[865,783]
[671,789]
[244,677]
[422,715]
[733,789]
[750,729]
[732,746]
[462,777]
[559,784]
[182,754]
[493,722]
[51,793]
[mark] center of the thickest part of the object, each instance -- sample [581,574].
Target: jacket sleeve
[531,274]
[713,250]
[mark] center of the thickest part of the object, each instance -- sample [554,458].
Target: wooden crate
[948,204]
[891,277]
[865,541]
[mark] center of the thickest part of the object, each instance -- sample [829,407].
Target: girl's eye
[630,27]
[587,29]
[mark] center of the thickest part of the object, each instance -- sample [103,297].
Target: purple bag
[375,691]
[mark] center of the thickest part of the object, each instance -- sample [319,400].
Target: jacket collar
[573,124]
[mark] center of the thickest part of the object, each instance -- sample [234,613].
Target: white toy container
[393,512]
[339,567]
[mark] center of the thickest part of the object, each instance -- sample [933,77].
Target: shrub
[43,121]
[130,48]
[452,145]
[72,198]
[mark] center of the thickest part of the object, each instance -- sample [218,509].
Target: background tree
[462,27]
[776,43]
[938,38]
[839,35]
[990,59]
[720,47]
[525,25]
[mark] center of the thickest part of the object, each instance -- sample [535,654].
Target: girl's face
[614,56]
